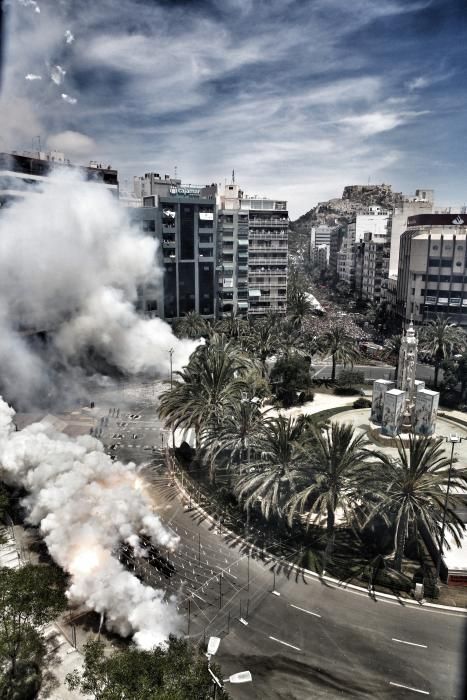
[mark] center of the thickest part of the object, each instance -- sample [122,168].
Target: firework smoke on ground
[86,505]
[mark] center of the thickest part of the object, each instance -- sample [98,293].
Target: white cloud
[378,122]
[32,76]
[418,83]
[70,100]
[57,74]
[69,38]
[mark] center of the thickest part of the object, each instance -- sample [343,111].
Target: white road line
[408,687]
[308,612]
[286,644]
[412,644]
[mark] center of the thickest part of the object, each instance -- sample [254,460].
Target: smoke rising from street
[71,264]
[86,505]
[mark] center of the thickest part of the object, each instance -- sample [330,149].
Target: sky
[299,97]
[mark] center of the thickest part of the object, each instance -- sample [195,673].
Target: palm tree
[298,306]
[410,491]
[238,430]
[440,338]
[340,346]
[212,382]
[192,325]
[270,478]
[392,348]
[331,480]
[261,341]
[233,326]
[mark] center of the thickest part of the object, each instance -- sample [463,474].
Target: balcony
[271,235]
[268,261]
[269,222]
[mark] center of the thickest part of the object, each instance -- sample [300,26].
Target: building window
[458,263]
[149,226]
[435,247]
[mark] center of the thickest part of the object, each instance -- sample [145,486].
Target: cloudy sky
[300,97]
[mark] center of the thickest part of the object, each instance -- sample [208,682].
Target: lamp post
[453,439]
[242,677]
[171,352]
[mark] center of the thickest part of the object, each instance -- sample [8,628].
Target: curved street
[299,636]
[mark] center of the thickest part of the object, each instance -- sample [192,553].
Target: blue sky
[301,97]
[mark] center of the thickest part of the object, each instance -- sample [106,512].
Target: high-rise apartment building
[432,277]
[252,253]
[183,220]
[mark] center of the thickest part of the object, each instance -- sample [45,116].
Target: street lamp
[171,352]
[241,677]
[453,439]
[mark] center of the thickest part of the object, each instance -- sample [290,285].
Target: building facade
[252,254]
[375,224]
[185,223]
[432,277]
[421,203]
[319,256]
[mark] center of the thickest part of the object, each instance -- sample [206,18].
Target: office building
[432,277]
[252,253]
[183,220]
[22,171]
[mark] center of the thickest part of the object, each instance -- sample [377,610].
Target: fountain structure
[409,408]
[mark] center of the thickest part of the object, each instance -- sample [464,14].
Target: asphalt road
[303,638]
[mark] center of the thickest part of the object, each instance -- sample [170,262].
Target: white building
[375,224]
[421,203]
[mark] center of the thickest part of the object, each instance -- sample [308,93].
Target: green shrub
[346,391]
[362,403]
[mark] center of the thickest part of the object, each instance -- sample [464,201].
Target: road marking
[286,644]
[408,687]
[275,593]
[412,644]
[308,612]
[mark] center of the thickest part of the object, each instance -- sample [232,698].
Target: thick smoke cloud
[86,505]
[71,263]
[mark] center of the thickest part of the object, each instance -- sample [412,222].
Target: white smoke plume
[71,264]
[86,505]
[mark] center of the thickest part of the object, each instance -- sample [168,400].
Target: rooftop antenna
[175,172]
[233,177]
